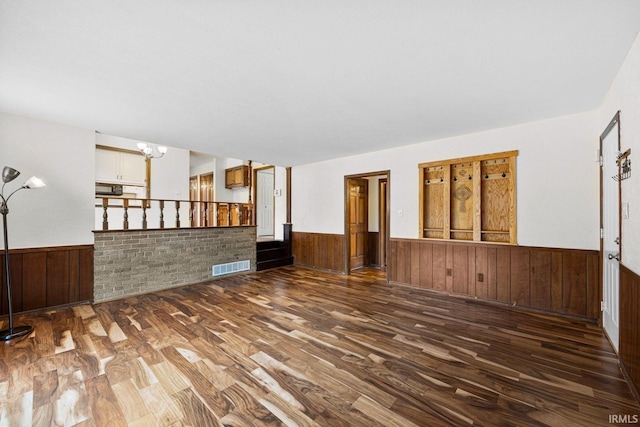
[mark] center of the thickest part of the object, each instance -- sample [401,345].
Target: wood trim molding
[551,280]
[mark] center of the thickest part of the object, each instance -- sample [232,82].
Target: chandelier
[150,151]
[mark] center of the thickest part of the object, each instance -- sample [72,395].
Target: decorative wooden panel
[319,250]
[48,277]
[563,281]
[469,199]
[497,191]
[630,326]
[462,201]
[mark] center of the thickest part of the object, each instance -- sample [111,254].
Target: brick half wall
[139,261]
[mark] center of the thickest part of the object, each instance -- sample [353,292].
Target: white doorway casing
[610,145]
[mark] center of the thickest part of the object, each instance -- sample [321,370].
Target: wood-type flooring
[294,346]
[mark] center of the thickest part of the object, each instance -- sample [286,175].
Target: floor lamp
[8,175]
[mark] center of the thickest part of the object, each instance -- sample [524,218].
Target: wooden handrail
[200,213]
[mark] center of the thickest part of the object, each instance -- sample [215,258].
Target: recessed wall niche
[471,198]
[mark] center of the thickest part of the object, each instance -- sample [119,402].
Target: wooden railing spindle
[144,215]
[105,216]
[201,213]
[125,205]
[161,213]
[177,213]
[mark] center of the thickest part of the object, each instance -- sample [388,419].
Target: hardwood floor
[294,346]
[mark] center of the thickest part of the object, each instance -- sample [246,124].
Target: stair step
[269,244]
[280,262]
[267,254]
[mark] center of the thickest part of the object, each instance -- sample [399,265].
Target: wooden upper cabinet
[236,177]
[471,198]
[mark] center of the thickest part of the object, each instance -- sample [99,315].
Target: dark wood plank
[15,267]
[85,274]
[574,288]
[439,267]
[415,266]
[492,274]
[57,278]
[449,267]
[426,265]
[480,277]
[555,278]
[540,276]
[460,269]
[503,275]
[403,262]
[34,280]
[520,282]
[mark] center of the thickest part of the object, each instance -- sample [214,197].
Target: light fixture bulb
[33,182]
[149,151]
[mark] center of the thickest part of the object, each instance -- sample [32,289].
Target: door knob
[617,241]
[614,256]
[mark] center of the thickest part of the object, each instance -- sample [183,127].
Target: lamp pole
[8,175]
[19,330]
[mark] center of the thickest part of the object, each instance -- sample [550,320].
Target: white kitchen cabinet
[120,167]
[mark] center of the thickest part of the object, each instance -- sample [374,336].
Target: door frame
[614,121]
[383,222]
[347,236]
[254,181]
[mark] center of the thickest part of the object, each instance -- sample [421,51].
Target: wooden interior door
[206,195]
[358,226]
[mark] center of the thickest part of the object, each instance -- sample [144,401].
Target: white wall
[557,181]
[61,213]
[624,95]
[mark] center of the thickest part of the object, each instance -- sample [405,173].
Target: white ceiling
[293,82]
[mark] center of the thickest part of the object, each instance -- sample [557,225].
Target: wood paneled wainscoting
[48,277]
[319,250]
[630,327]
[560,281]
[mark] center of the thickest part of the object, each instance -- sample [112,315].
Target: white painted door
[264,202]
[610,235]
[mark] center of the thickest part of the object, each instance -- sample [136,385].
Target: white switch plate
[625,211]
[400,212]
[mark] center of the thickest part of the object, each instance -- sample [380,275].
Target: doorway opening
[366,220]
[264,179]
[201,190]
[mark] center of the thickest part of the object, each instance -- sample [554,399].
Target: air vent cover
[230,267]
